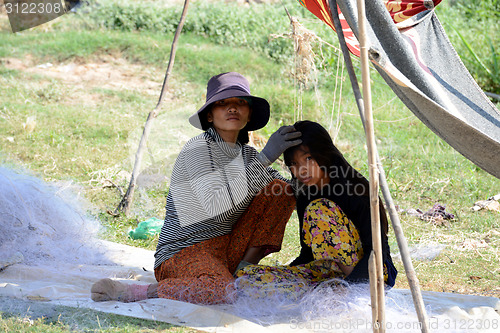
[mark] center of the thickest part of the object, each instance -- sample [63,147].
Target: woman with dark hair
[221,213]
[333,207]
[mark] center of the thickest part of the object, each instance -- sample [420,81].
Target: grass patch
[30,316]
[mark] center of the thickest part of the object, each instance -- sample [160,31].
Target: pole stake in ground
[396,224]
[126,202]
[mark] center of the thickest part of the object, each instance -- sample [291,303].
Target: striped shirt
[212,184]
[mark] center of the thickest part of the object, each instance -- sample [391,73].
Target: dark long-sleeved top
[212,184]
[357,209]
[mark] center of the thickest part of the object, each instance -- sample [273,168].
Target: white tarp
[69,285]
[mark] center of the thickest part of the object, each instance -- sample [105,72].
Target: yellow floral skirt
[333,239]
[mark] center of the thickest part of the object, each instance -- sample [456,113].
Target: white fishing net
[42,222]
[335,306]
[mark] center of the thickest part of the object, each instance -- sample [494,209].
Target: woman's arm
[345,269]
[359,210]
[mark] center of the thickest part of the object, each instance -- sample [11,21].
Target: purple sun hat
[228,85]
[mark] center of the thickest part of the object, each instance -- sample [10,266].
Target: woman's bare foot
[111,290]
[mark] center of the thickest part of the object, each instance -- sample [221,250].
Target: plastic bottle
[146,229]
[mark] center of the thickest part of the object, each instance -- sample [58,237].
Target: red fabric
[404,9]
[399,10]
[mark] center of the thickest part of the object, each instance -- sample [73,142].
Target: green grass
[58,319]
[472,27]
[88,131]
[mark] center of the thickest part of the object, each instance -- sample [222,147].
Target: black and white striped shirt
[211,186]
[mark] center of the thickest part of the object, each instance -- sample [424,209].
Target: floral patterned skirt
[333,239]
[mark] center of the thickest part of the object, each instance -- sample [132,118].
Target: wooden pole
[396,223]
[127,199]
[379,322]
[372,273]
[411,276]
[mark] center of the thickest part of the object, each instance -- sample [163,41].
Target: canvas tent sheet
[416,59]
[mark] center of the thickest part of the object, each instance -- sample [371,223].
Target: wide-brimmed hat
[228,85]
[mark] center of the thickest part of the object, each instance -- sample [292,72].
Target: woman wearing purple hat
[226,208]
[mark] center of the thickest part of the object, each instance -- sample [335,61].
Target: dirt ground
[105,72]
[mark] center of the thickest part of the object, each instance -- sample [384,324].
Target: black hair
[203,116]
[243,137]
[320,145]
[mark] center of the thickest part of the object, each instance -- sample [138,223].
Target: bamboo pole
[127,199]
[411,276]
[379,322]
[372,273]
[396,223]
